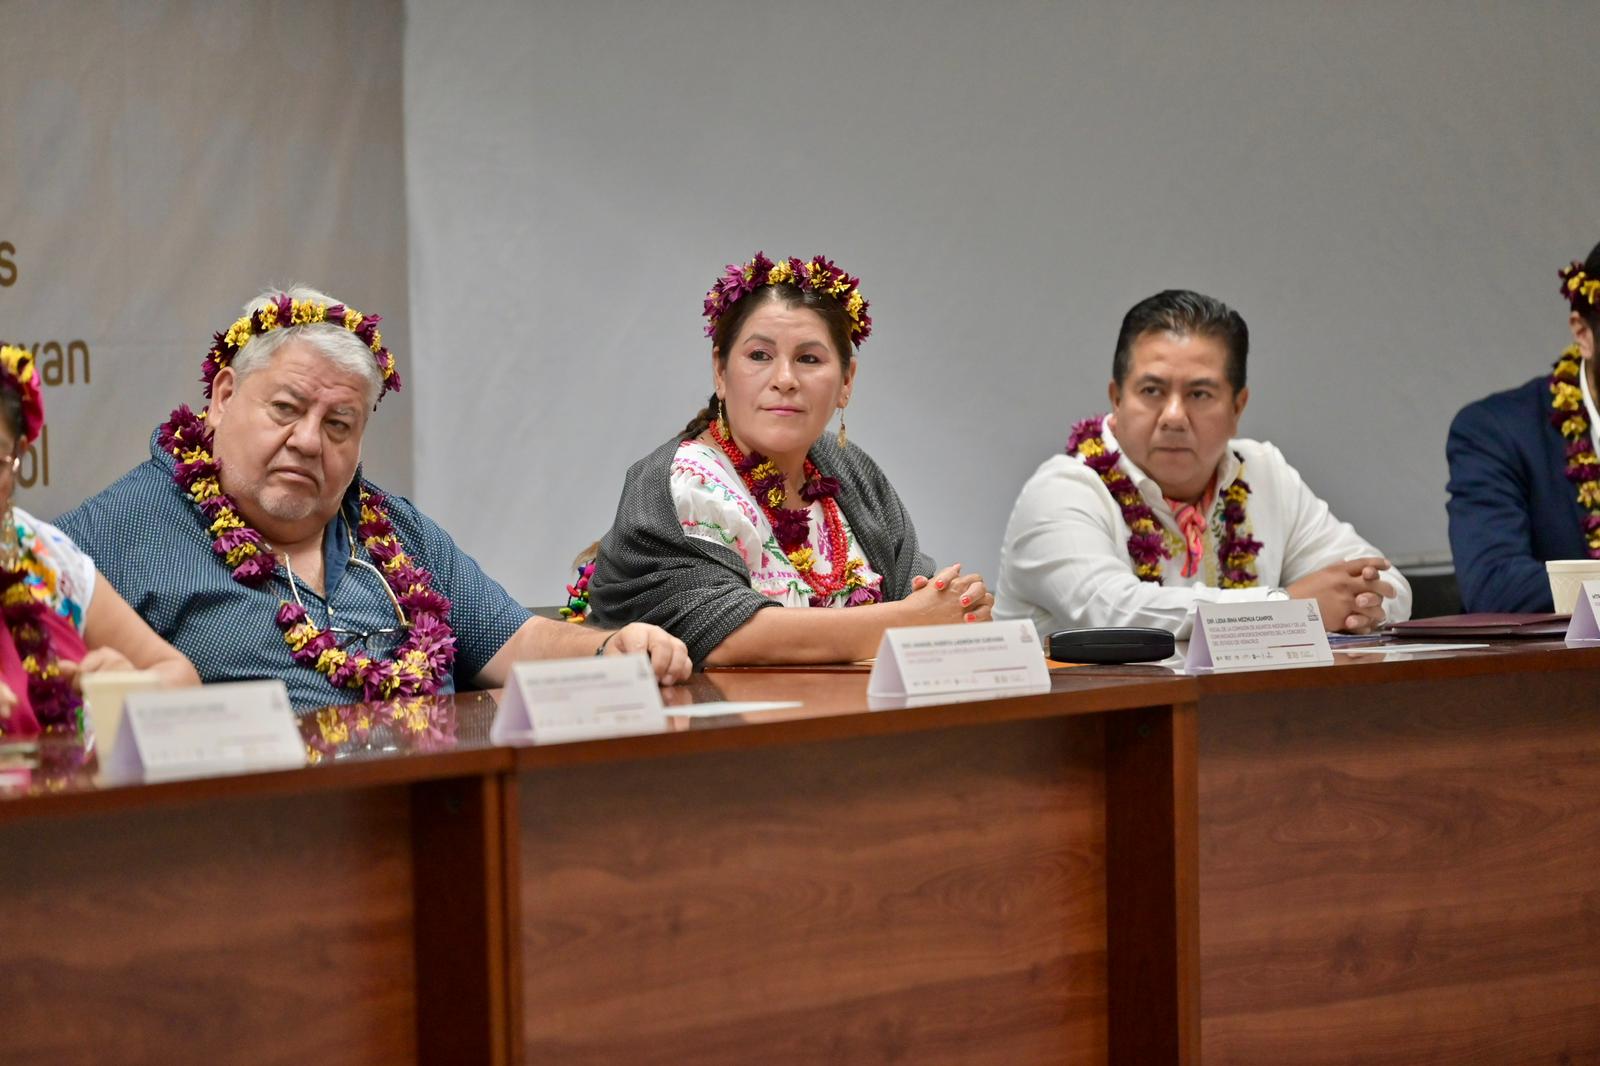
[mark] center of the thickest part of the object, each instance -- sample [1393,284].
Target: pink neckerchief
[1191,518]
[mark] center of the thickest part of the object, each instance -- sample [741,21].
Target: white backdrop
[161,163]
[1385,191]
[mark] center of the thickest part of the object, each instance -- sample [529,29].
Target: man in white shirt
[1158,507]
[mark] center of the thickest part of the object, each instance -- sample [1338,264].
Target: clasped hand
[949,596]
[1350,594]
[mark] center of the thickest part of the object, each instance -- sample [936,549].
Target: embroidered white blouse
[1064,563]
[714,504]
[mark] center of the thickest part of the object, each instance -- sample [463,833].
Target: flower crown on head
[281,312]
[18,373]
[816,275]
[1579,288]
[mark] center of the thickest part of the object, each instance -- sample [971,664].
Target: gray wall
[1384,190]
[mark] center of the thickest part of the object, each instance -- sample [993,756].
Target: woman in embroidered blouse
[61,618]
[754,505]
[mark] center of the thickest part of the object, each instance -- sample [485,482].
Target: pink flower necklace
[423,660]
[1146,547]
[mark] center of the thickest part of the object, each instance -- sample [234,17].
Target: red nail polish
[972,618]
[938,585]
[965,600]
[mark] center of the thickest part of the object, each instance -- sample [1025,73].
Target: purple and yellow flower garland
[56,702]
[1567,414]
[792,527]
[818,274]
[1146,547]
[421,662]
[283,312]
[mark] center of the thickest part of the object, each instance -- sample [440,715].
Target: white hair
[334,343]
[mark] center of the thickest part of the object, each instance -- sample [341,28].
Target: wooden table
[1378,862]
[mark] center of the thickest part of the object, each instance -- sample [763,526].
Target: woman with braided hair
[754,505]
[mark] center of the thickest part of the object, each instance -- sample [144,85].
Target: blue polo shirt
[150,540]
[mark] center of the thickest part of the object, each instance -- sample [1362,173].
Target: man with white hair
[251,541]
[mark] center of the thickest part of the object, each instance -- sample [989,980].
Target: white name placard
[1244,636]
[579,699]
[205,732]
[1585,625]
[965,657]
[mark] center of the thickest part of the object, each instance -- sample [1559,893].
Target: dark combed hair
[833,313]
[11,412]
[1186,314]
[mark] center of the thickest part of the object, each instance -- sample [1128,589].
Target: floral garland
[1567,414]
[577,608]
[421,662]
[19,375]
[1146,547]
[56,702]
[765,482]
[819,274]
[1579,288]
[283,312]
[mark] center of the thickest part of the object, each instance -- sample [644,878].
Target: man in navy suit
[1524,478]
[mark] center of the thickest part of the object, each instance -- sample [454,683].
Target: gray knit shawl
[649,571]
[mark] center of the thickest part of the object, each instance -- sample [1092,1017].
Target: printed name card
[1244,636]
[579,699]
[205,732]
[965,657]
[1585,625]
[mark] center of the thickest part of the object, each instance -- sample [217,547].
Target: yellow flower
[269,317]
[775,497]
[331,659]
[855,304]
[1236,494]
[377,340]
[226,520]
[238,334]
[780,273]
[332,727]
[1589,493]
[1576,426]
[204,489]
[1142,525]
[240,554]
[803,559]
[764,471]
[1567,397]
[353,319]
[298,636]
[1148,570]
[1092,448]
[304,312]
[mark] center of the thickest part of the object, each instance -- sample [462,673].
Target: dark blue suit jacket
[1511,505]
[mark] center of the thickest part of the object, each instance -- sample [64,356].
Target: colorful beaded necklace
[423,660]
[792,527]
[1236,554]
[1567,414]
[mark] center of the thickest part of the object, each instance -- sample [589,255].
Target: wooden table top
[364,746]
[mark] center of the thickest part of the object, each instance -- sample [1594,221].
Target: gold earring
[722,423]
[844,439]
